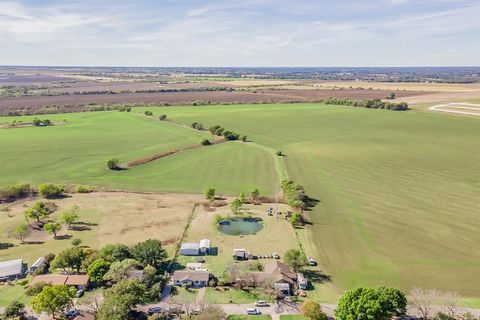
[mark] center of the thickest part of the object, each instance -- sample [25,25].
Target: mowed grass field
[76,152]
[399,191]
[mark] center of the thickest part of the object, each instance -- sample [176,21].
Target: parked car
[79,293]
[311,261]
[154,310]
[261,304]
[71,313]
[275,255]
[253,311]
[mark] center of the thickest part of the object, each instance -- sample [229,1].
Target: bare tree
[422,300]
[183,303]
[450,301]
[93,304]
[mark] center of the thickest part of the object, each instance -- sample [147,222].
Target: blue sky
[241,32]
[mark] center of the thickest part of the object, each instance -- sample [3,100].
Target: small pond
[239,226]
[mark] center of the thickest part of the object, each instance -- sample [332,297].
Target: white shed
[204,246]
[37,264]
[190,249]
[11,270]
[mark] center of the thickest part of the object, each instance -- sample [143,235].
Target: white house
[192,278]
[11,270]
[37,264]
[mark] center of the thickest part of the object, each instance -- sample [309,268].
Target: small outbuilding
[190,249]
[11,270]
[240,254]
[37,264]
[204,246]
[302,281]
[79,281]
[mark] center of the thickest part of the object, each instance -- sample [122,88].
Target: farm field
[396,188]
[398,191]
[76,152]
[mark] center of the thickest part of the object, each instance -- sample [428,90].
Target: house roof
[192,275]
[59,279]
[276,271]
[189,245]
[38,263]
[54,279]
[11,268]
[205,243]
[77,280]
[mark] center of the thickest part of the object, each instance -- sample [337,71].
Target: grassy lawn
[9,293]
[107,217]
[245,317]
[226,295]
[277,235]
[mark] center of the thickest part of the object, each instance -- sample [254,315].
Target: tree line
[371,103]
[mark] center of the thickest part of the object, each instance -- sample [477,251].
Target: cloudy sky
[240,32]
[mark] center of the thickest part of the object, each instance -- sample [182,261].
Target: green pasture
[399,192]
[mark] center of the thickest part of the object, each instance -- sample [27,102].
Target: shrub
[128,109]
[212,284]
[230,135]
[51,191]
[217,219]
[163,117]
[76,242]
[112,164]
[279,153]
[244,138]
[205,142]
[84,189]
[13,192]
[49,257]
[35,289]
[148,113]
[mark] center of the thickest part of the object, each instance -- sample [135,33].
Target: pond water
[239,226]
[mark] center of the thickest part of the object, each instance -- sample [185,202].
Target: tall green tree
[371,304]
[312,310]
[53,300]
[70,216]
[295,259]
[210,193]
[150,252]
[121,298]
[71,258]
[236,205]
[21,231]
[115,252]
[97,270]
[53,228]
[37,212]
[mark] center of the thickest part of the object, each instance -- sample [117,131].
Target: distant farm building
[11,270]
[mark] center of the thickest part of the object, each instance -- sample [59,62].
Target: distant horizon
[243,33]
[243,67]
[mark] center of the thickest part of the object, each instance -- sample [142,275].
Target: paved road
[464,107]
